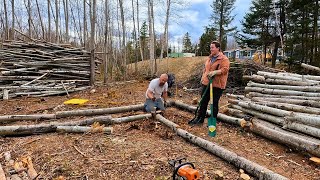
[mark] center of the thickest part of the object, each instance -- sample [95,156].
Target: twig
[34,80]
[75,147]
[65,88]
[294,162]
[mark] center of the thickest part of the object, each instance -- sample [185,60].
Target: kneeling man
[156,94]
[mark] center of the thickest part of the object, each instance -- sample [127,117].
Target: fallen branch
[81,129]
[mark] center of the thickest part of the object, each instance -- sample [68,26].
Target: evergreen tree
[187,46]
[222,19]
[205,40]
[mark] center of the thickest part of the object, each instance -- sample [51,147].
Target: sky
[196,16]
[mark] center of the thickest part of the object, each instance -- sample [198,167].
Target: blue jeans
[150,105]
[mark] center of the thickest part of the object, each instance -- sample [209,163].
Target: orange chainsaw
[184,170]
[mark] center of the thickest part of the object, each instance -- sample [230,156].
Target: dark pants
[217,92]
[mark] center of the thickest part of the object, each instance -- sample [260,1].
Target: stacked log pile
[285,104]
[237,69]
[41,69]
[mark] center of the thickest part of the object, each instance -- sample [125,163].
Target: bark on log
[90,112]
[280,92]
[221,117]
[81,129]
[309,130]
[284,87]
[288,107]
[302,102]
[255,94]
[272,132]
[231,157]
[289,82]
[62,114]
[286,77]
[255,78]
[309,67]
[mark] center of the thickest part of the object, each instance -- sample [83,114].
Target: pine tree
[205,40]
[222,19]
[187,46]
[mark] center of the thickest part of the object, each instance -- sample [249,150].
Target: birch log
[289,82]
[255,78]
[272,132]
[309,67]
[285,87]
[287,77]
[280,92]
[81,129]
[313,131]
[312,103]
[253,168]
[221,117]
[255,94]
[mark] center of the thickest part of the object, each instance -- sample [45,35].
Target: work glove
[211,74]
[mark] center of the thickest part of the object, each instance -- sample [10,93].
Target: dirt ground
[140,149]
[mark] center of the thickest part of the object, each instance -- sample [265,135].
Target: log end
[315,160]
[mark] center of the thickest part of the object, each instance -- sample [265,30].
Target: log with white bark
[285,87]
[289,82]
[62,114]
[271,118]
[51,127]
[313,131]
[272,132]
[288,107]
[255,78]
[221,117]
[251,167]
[312,103]
[82,129]
[255,94]
[287,76]
[284,122]
[312,120]
[281,92]
[309,67]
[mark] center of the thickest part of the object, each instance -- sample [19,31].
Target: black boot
[197,120]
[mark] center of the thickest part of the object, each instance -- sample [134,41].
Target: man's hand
[212,73]
[153,99]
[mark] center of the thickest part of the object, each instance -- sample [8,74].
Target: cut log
[284,87]
[309,130]
[289,107]
[281,92]
[90,112]
[81,129]
[253,168]
[255,78]
[38,117]
[221,117]
[289,82]
[302,102]
[309,67]
[255,94]
[285,77]
[272,132]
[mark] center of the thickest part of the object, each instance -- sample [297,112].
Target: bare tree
[166,26]
[49,22]
[57,20]
[40,18]
[13,19]
[92,39]
[29,18]
[140,42]
[84,24]
[153,64]
[106,47]
[66,19]
[135,38]
[6,31]
[123,38]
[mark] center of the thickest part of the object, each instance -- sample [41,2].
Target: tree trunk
[240,162]
[281,92]
[138,26]
[49,22]
[13,19]
[151,37]
[40,18]
[124,63]
[302,102]
[57,20]
[66,17]
[92,40]
[285,87]
[275,52]
[106,43]
[300,142]
[84,24]
[135,39]
[309,67]
[255,94]
[6,28]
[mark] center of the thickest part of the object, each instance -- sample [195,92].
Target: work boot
[196,121]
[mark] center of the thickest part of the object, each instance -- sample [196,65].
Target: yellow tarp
[76,101]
